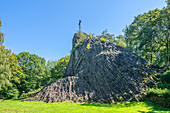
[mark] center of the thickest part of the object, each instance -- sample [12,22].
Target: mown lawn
[10,106]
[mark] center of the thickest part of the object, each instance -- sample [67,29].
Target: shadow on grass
[20,98]
[154,108]
[127,104]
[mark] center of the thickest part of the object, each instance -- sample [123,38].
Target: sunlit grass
[9,106]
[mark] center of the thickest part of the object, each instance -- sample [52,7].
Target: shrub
[165,77]
[91,35]
[163,85]
[158,92]
[82,37]
[73,50]
[88,46]
[103,39]
[24,95]
[10,93]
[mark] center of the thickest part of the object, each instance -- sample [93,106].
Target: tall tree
[16,70]
[5,73]
[148,36]
[10,72]
[35,70]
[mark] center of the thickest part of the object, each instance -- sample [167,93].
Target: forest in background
[147,36]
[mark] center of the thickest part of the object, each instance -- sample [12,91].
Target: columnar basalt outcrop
[99,72]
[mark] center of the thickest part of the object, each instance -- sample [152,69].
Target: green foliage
[82,37]
[10,93]
[10,72]
[165,77]
[158,92]
[73,50]
[5,73]
[91,35]
[88,46]
[105,35]
[1,36]
[35,70]
[103,39]
[24,95]
[59,70]
[120,40]
[15,69]
[51,64]
[148,36]
[163,85]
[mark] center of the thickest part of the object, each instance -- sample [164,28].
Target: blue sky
[46,27]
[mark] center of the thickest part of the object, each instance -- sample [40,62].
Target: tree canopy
[148,36]
[35,70]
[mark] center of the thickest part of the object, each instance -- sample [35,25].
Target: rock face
[99,72]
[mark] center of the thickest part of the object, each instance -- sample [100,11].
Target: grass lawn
[10,106]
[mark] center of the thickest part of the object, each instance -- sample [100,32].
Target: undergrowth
[24,95]
[158,92]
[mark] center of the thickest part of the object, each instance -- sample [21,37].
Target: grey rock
[105,73]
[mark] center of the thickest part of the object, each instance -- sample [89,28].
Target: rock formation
[98,71]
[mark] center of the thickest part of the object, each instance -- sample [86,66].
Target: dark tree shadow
[109,105]
[154,108]
[20,98]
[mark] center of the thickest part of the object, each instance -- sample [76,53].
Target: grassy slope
[9,106]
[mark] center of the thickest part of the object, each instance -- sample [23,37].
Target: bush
[158,92]
[163,85]
[159,96]
[9,93]
[82,37]
[103,39]
[165,77]
[88,46]
[24,95]
[91,35]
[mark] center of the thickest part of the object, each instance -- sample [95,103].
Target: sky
[46,27]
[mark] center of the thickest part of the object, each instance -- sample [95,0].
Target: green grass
[13,106]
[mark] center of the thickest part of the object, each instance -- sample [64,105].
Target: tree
[5,73]
[10,72]
[120,40]
[15,69]
[148,36]
[35,70]
[107,36]
[59,70]
[164,34]
[51,64]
